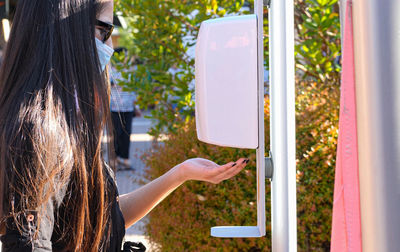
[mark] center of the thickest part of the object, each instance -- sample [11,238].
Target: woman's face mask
[105,52]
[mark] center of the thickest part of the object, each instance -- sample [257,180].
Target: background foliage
[160,35]
[317,46]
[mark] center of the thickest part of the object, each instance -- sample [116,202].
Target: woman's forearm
[135,205]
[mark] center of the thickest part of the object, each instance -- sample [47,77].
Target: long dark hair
[53,107]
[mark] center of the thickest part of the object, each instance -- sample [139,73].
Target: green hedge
[182,222]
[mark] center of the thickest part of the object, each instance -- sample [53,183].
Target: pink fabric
[346,220]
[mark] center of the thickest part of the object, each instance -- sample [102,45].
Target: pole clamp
[269,166]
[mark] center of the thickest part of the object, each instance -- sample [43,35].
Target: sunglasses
[106,29]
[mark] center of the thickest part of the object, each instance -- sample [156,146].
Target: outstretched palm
[206,170]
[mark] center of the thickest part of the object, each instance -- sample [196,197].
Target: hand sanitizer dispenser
[230,108]
[229,97]
[226,82]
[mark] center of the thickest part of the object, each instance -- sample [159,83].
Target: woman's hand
[206,170]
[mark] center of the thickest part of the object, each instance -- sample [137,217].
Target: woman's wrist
[181,174]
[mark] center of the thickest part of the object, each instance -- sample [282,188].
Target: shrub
[317,120]
[182,221]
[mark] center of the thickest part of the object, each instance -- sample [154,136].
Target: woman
[56,192]
[122,106]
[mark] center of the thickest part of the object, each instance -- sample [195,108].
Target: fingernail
[247,161]
[233,164]
[244,161]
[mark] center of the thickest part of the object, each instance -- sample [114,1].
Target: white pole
[283,133]
[258,9]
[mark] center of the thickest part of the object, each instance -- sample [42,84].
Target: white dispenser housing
[226,82]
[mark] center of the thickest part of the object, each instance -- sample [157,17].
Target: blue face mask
[105,52]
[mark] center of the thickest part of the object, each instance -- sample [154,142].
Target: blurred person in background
[123,110]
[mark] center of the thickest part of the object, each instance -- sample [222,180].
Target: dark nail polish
[247,161]
[244,161]
[233,164]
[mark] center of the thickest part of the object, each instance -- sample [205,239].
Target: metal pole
[342,7]
[7,8]
[283,138]
[377,69]
[259,11]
